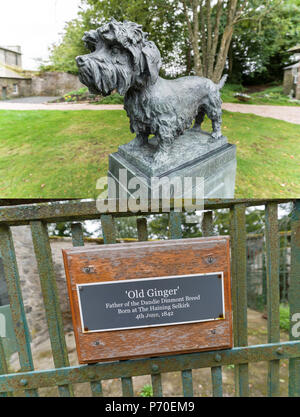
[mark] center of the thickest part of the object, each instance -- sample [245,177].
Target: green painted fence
[63,376]
[7,334]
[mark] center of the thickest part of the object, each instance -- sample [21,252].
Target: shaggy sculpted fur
[123,59]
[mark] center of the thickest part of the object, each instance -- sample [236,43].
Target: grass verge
[59,154]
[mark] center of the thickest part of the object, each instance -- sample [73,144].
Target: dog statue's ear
[151,61]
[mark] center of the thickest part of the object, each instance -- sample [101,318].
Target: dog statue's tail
[222,82]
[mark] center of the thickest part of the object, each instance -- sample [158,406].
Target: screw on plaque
[155,368]
[23,382]
[279,351]
[89,270]
[218,358]
[210,259]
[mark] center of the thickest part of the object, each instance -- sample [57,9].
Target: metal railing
[38,216]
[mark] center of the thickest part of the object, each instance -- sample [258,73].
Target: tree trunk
[230,60]
[194,34]
[213,62]
[189,64]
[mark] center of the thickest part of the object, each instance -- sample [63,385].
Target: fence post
[239,291]
[78,240]
[216,371]
[272,270]
[16,302]
[294,298]
[109,237]
[47,276]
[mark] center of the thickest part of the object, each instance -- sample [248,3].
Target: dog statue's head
[121,57]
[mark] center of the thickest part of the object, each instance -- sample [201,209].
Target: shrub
[284,311]
[79,92]
[112,99]
[147,391]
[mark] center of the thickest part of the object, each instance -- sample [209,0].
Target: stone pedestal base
[217,168]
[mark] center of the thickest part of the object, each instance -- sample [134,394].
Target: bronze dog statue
[123,59]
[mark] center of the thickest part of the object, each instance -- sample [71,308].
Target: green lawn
[59,154]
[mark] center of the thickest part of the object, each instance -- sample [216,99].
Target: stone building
[15,82]
[291,80]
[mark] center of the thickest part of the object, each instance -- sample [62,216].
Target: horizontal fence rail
[39,215]
[139,367]
[87,210]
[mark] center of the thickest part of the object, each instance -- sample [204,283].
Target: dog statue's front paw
[138,141]
[159,157]
[216,135]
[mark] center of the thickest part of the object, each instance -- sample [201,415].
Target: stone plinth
[195,155]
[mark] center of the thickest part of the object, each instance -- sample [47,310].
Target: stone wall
[297,93]
[24,87]
[288,81]
[46,84]
[54,84]
[30,283]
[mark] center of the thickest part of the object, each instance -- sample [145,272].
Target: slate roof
[296,65]
[8,72]
[10,49]
[294,48]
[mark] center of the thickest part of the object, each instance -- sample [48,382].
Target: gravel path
[30,100]
[287,113]
[7,105]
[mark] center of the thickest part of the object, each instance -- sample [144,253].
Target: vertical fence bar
[108,229]
[3,364]
[187,383]
[109,236]
[156,385]
[294,299]
[16,303]
[207,225]
[284,272]
[264,278]
[142,229]
[239,292]
[272,252]
[143,237]
[77,234]
[216,371]
[127,387]
[78,240]
[175,220]
[217,382]
[175,232]
[51,300]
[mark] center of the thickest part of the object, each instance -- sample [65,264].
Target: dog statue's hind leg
[199,119]
[214,113]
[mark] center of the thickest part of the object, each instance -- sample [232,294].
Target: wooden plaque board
[135,269]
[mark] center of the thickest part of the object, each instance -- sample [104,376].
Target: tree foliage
[248,38]
[158,17]
[259,46]
[211,26]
